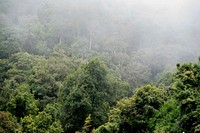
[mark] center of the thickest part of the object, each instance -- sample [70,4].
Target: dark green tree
[133,114]
[22,102]
[166,118]
[4,67]
[88,91]
[187,92]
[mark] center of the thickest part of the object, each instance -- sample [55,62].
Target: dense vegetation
[62,71]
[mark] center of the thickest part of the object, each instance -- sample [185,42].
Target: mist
[161,32]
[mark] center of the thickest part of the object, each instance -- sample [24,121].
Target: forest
[98,66]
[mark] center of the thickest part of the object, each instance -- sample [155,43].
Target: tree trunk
[90,48]
[60,40]
[78,32]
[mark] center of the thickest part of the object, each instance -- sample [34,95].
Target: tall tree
[8,43]
[87,91]
[187,93]
[133,114]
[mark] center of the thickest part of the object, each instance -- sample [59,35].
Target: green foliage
[4,67]
[187,94]
[108,128]
[118,89]
[135,72]
[53,110]
[22,103]
[83,94]
[8,43]
[112,126]
[33,35]
[89,90]
[41,123]
[75,109]
[133,114]
[167,117]
[43,75]
[87,127]
[165,79]
[8,123]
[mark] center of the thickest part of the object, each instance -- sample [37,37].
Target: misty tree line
[51,79]
[58,93]
[84,29]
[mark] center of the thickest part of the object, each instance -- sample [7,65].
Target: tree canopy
[99,66]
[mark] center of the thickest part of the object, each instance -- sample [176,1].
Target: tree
[135,72]
[40,123]
[43,75]
[166,118]
[8,123]
[133,114]
[84,93]
[88,91]
[22,103]
[33,35]
[53,110]
[4,67]
[8,43]
[186,91]
[165,79]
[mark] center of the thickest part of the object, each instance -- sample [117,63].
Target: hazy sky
[171,10]
[177,20]
[146,23]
